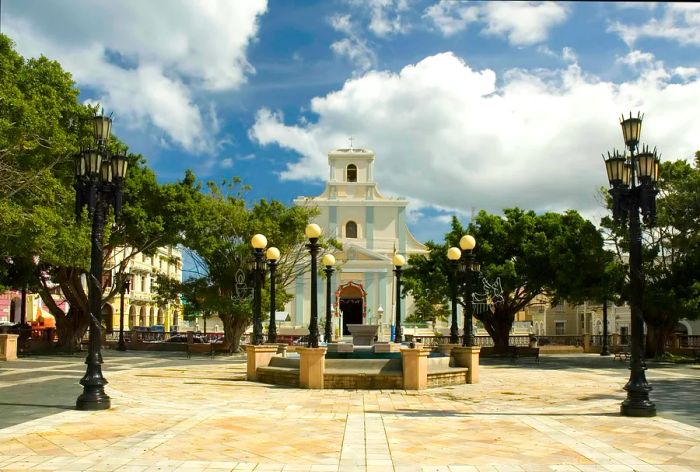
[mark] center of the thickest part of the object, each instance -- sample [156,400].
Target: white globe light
[259,241]
[454,253]
[312,231]
[272,254]
[328,260]
[467,243]
[398,260]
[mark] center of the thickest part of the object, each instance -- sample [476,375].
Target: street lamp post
[272,254]
[123,284]
[329,262]
[259,242]
[398,260]
[468,267]
[633,189]
[453,255]
[99,185]
[313,231]
[605,349]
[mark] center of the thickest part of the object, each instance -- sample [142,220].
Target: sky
[467,105]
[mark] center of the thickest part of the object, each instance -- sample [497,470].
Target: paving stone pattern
[173,414]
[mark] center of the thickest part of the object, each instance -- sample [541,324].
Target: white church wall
[384,226]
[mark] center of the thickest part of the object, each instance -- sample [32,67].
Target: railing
[291,339]
[683,340]
[560,340]
[483,341]
[597,340]
[146,336]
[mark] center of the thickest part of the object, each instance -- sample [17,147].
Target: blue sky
[468,105]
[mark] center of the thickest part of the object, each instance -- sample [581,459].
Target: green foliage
[560,255]
[429,311]
[42,126]
[671,252]
[217,236]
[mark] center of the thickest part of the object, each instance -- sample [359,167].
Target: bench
[620,354]
[527,352]
[207,348]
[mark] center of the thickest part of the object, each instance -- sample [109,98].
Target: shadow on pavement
[37,405]
[436,413]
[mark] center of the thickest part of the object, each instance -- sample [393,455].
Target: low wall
[363,374]
[158,346]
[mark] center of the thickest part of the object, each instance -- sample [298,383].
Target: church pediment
[359,253]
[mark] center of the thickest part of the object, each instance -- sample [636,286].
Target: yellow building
[140,306]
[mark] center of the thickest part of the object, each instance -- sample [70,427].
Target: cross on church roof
[350,142]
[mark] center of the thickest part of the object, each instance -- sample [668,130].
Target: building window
[351,230]
[352,173]
[560,328]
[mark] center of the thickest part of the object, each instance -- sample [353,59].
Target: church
[371,228]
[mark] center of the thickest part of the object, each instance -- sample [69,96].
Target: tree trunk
[656,338]
[70,326]
[234,327]
[70,330]
[498,324]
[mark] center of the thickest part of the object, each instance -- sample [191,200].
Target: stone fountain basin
[363,372]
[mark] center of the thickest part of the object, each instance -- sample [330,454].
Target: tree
[218,240]
[560,255]
[671,253]
[42,125]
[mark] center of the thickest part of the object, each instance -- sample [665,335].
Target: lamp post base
[644,408]
[93,401]
[605,351]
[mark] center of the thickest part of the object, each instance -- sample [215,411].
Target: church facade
[371,228]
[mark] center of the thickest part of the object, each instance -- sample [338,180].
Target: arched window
[351,230]
[352,173]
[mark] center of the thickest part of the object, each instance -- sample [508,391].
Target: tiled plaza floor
[175,414]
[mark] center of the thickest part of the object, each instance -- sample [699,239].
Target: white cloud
[679,22]
[146,61]
[636,58]
[446,136]
[226,163]
[522,23]
[385,16]
[569,55]
[452,17]
[686,73]
[353,46]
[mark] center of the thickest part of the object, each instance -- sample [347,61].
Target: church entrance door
[351,304]
[352,312]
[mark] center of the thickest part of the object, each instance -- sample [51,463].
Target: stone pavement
[170,413]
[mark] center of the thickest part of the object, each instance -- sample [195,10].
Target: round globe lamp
[467,242]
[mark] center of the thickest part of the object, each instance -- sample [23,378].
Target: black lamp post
[398,260]
[468,267]
[99,185]
[633,188]
[259,242]
[123,284]
[453,255]
[329,262]
[462,269]
[605,349]
[313,231]
[272,254]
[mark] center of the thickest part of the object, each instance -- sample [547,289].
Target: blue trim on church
[369,223]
